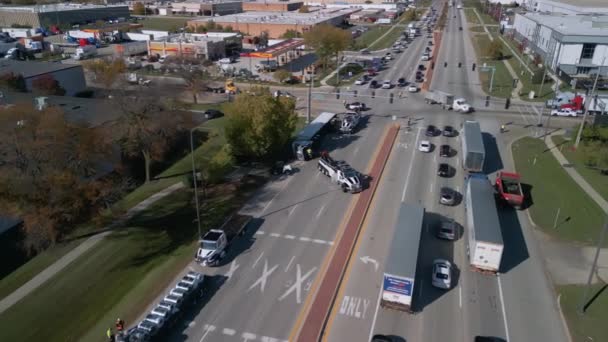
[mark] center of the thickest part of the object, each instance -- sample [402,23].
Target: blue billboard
[397,285]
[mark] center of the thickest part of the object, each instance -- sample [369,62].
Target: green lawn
[471,17]
[163,24]
[598,181]
[34,266]
[592,325]
[552,188]
[503,83]
[370,36]
[477,29]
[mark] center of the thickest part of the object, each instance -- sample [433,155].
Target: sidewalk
[89,243]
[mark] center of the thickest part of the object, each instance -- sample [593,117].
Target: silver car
[442,274]
[447,196]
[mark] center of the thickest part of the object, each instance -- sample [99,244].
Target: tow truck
[508,188]
[214,245]
[340,172]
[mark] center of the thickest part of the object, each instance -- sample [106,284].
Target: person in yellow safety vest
[110,334]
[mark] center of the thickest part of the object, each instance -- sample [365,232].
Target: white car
[361,81]
[387,84]
[424,146]
[442,274]
[388,57]
[461,105]
[426,57]
[225,61]
[563,112]
[412,88]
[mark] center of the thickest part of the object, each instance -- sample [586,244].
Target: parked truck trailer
[473,151]
[485,245]
[446,100]
[400,268]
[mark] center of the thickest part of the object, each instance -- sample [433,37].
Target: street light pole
[542,82]
[588,102]
[310,81]
[581,308]
[198,214]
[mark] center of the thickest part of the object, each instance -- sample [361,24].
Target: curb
[314,322]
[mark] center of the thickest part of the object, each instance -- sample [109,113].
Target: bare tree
[195,82]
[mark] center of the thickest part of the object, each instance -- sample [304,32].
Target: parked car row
[167,312]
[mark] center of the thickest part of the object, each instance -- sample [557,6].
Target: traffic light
[390,98]
[337,93]
[507,103]
[460,64]
[487,101]
[354,93]
[373,94]
[515,80]
[474,65]
[445,64]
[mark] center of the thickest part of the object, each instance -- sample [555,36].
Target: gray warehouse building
[69,76]
[59,14]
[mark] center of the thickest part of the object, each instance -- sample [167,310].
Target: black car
[401,82]
[421,67]
[419,79]
[443,170]
[430,43]
[431,131]
[212,114]
[373,84]
[445,151]
[381,338]
[448,131]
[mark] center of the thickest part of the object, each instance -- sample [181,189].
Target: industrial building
[567,6]
[202,7]
[277,23]
[271,6]
[574,45]
[59,14]
[69,76]
[212,45]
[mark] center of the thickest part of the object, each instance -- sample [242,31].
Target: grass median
[591,325]
[471,16]
[552,189]
[594,177]
[502,84]
[368,37]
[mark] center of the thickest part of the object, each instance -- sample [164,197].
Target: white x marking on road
[262,280]
[297,286]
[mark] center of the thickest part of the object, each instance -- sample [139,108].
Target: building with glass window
[575,45]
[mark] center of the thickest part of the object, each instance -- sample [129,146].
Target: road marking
[502,306]
[320,211]
[319,241]
[460,296]
[366,259]
[248,336]
[233,268]
[297,286]
[229,332]
[435,158]
[262,279]
[292,210]
[208,328]
[275,196]
[304,238]
[275,235]
[351,306]
[289,237]
[432,185]
[293,237]
[259,232]
[409,171]
[371,331]
[290,261]
[258,259]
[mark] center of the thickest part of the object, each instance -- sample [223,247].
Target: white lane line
[460,296]
[275,234]
[371,331]
[409,171]
[289,237]
[289,265]
[259,232]
[208,328]
[331,243]
[258,259]
[247,336]
[504,312]
[292,210]
[432,185]
[229,332]
[303,238]
[319,241]
[320,211]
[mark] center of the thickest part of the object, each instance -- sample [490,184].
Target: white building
[575,45]
[567,6]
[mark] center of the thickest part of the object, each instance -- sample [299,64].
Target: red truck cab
[508,188]
[576,104]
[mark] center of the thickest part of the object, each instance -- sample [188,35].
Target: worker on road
[502,128]
[120,325]
[110,334]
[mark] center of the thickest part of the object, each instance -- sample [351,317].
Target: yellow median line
[346,276]
[313,289]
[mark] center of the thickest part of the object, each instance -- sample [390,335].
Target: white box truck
[485,244]
[400,269]
[84,52]
[473,150]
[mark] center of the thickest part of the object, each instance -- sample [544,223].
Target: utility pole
[338,70]
[581,308]
[587,103]
[310,82]
[198,214]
